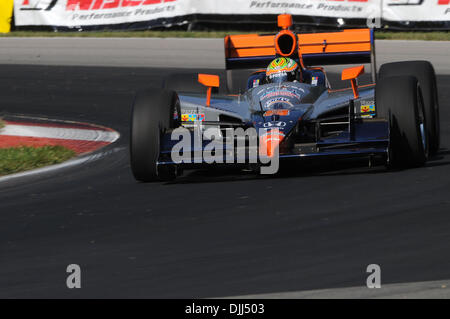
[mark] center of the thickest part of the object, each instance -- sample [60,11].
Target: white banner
[323,8]
[79,13]
[416,10]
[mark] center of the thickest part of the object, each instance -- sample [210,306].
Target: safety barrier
[141,14]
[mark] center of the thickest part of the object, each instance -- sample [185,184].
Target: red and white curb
[79,137]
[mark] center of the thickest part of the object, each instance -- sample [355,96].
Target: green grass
[2,124]
[427,36]
[384,35]
[122,34]
[23,158]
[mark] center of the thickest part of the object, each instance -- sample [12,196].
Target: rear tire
[399,100]
[154,112]
[425,74]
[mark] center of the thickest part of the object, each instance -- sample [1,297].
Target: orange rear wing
[353,46]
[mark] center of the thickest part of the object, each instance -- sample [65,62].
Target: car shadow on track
[291,170]
[437,160]
[299,170]
[216,175]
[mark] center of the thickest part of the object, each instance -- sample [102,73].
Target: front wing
[369,138]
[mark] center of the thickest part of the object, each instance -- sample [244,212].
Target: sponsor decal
[37,5]
[275,124]
[110,4]
[405,2]
[79,13]
[277,112]
[278,100]
[314,80]
[367,108]
[193,117]
[278,75]
[85,5]
[277,93]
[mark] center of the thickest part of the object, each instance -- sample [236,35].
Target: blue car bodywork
[322,123]
[315,120]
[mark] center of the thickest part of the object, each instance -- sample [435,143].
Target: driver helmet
[282,70]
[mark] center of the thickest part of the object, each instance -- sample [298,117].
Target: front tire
[154,112]
[425,74]
[400,101]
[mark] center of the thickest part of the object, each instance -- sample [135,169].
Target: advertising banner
[416,10]
[323,8]
[82,14]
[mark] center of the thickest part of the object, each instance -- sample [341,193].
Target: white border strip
[73,162]
[61,133]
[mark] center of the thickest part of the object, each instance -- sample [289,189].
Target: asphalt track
[209,234]
[176,53]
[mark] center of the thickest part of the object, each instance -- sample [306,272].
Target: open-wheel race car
[289,110]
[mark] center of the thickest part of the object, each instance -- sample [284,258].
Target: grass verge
[122,34]
[382,35]
[23,158]
[427,36]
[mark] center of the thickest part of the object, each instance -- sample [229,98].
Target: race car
[288,111]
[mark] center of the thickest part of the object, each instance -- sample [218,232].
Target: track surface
[176,52]
[208,234]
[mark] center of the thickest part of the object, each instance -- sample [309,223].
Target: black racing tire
[399,99]
[185,82]
[154,112]
[425,74]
